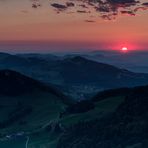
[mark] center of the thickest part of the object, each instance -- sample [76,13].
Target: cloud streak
[107,9]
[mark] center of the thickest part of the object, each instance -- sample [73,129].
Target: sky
[23,28]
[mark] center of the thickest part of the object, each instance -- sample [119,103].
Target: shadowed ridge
[13,83]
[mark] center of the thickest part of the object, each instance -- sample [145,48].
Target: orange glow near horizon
[124,49]
[22,23]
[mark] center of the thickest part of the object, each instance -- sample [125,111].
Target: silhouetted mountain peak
[83,60]
[76,59]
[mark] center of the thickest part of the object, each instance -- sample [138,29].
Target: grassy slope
[48,110]
[13,143]
[46,107]
[101,108]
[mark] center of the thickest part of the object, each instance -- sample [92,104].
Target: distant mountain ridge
[82,70]
[77,76]
[135,60]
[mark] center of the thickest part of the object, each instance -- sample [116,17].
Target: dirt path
[26,145]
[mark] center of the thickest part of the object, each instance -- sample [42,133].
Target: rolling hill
[41,116]
[79,70]
[135,61]
[125,126]
[26,103]
[76,76]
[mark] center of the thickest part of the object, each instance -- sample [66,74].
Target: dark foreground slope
[112,119]
[126,127]
[27,104]
[13,83]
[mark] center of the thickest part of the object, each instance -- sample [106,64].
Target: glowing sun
[124,49]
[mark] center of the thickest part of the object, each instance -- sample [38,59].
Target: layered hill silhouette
[74,75]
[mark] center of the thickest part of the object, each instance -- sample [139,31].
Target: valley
[91,95]
[76,76]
